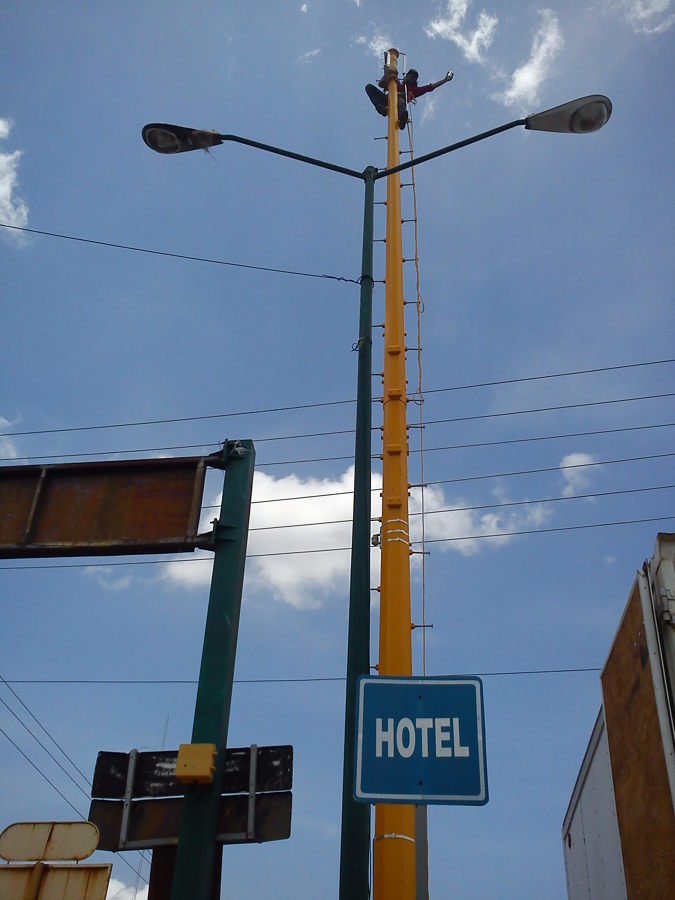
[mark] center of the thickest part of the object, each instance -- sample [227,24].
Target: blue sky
[540,254]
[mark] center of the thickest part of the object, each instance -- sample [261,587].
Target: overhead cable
[185,256]
[315,550]
[285,462]
[330,403]
[307,680]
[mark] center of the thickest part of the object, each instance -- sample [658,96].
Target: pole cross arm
[465,143]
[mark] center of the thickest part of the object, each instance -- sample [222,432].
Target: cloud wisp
[307,57]
[576,480]
[13,209]
[463,530]
[527,79]
[7,447]
[649,16]
[117,890]
[450,26]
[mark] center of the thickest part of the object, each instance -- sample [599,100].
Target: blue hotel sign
[420,740]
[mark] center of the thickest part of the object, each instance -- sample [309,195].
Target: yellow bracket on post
[196,763]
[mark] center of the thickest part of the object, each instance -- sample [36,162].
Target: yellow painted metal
[40,881]
[64,841]
[196,763]
[394,842]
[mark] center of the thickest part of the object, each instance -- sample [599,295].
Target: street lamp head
[164,138]
[575,117]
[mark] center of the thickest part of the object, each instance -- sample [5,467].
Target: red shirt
[415,90]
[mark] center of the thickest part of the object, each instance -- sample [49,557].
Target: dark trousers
[380,101]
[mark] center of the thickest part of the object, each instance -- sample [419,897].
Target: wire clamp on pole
[394,837]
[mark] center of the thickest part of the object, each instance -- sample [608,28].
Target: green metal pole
[355,841]
[193,873]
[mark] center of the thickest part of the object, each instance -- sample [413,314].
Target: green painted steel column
[193,873]
[355,841]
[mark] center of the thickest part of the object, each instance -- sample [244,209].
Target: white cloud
[303,580]
[379,44]
[307,580]
[453,525]
[7,447]
[576,480]
[471,43]
[108,578]
[304,8]
[13,209]
[117,890]
[429,109]
[649,16]
[527,79]
[307,57]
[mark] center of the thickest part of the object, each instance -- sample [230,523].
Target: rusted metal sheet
[156,822]
[51,882]
[65,841]
[154,774]
[86,509]
[644,806]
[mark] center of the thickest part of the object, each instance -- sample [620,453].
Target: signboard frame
[103,508]
[469,684]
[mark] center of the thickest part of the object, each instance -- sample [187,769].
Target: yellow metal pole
[394,841]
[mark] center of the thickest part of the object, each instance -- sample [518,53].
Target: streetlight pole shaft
[355,839]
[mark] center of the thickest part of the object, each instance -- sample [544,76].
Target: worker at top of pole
[408,91]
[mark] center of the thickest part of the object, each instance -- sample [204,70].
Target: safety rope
[417,397]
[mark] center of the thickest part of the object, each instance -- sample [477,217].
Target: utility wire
[54,741]
[451,509]
[48,752]
[483,384]
[37,769]
[306,680]
[477,537]
[466,446]
[586,465]
[63,796]
[301,406]
[216,262]
[202,559]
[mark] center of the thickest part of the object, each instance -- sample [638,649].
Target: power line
[301,406]
[605,462]
[306,680]
[48,752]
[185,256]
[451,509]
[314,550]
[54,741]
[63,796]
[467,446]
[464,387]
[37,769]
[477,537]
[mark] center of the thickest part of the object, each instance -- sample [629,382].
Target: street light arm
[465,143]
[170,139]
[322,164]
